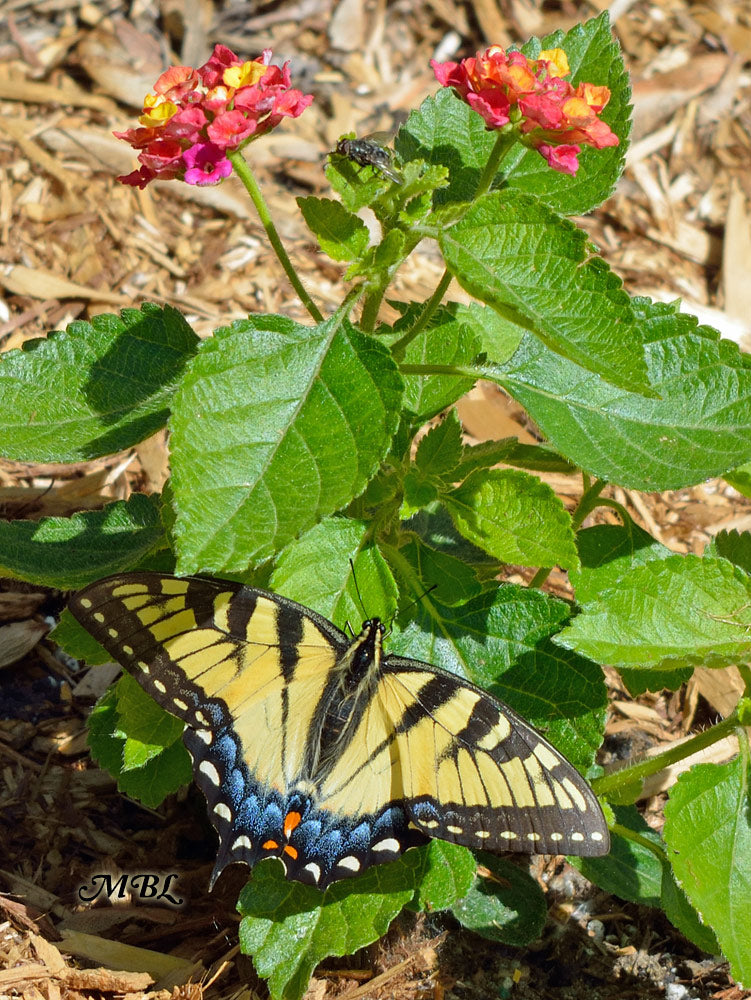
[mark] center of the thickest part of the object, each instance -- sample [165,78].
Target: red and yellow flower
[195,116]
[552,116]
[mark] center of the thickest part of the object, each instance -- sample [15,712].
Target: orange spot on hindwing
[291,820]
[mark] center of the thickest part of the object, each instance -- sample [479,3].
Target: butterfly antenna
[417,600]
[357,589]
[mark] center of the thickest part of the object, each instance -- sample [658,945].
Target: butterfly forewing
[312,748]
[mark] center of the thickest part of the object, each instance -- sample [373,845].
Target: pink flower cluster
[196,115]
[553,117]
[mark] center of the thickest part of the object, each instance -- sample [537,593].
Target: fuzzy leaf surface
[94,389]
[533,267]
[699,427]
[676,612]
[276,426]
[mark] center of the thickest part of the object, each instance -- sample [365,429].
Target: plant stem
[638,838]
[370,308]
[745,672]
[587,501]
[638,772]
[507,136]
[243,171]
[430,307]
[503,143]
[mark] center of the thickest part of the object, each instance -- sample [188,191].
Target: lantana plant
[326,458]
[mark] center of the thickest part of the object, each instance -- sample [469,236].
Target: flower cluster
[195,116]
[551,115]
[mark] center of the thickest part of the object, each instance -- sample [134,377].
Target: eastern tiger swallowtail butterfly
[320,750]
[369,153]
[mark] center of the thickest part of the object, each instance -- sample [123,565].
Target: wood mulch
[75,243]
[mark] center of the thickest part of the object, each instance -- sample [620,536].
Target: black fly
[369,153]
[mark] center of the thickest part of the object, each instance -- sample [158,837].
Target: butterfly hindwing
[464,767]
[314,748]
[477,774]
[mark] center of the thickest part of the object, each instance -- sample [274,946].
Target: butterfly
[320,750]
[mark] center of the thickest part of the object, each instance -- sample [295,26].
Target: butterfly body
[322,751]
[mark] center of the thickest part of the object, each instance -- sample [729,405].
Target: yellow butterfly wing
[313,748]
[465,767]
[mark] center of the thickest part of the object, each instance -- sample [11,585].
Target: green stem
[243,171]
[459,370]
[617,507]
[371,307]
[430,307]
[587,502]
[507,136]
[637,838]
[638,772]
[745,672]
[540,577]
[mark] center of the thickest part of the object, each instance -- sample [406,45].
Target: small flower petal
[206,164]
[549,114]
[561,158]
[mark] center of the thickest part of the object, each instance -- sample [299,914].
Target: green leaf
[315,570]
[498,339]
[708,832]
[631,870]
[505,905]
[276,426]
[288,928]
[150,784]
[447,132]
[499,641]
[96,389]
[635,872]
[440,450]
[594,57]
[670,613]
[453,580]
[69,552]
[357,186]
[735,546]
[682,915]
[437,530]
[445,341]
[448,872]
[515,517]
[77,642]
[533,267]
[512,452]
[639,681]
[380,260]
[608,552]
[699,427]
[419,491]
[740,479]
[341,234]
[106,749]
[146,728]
